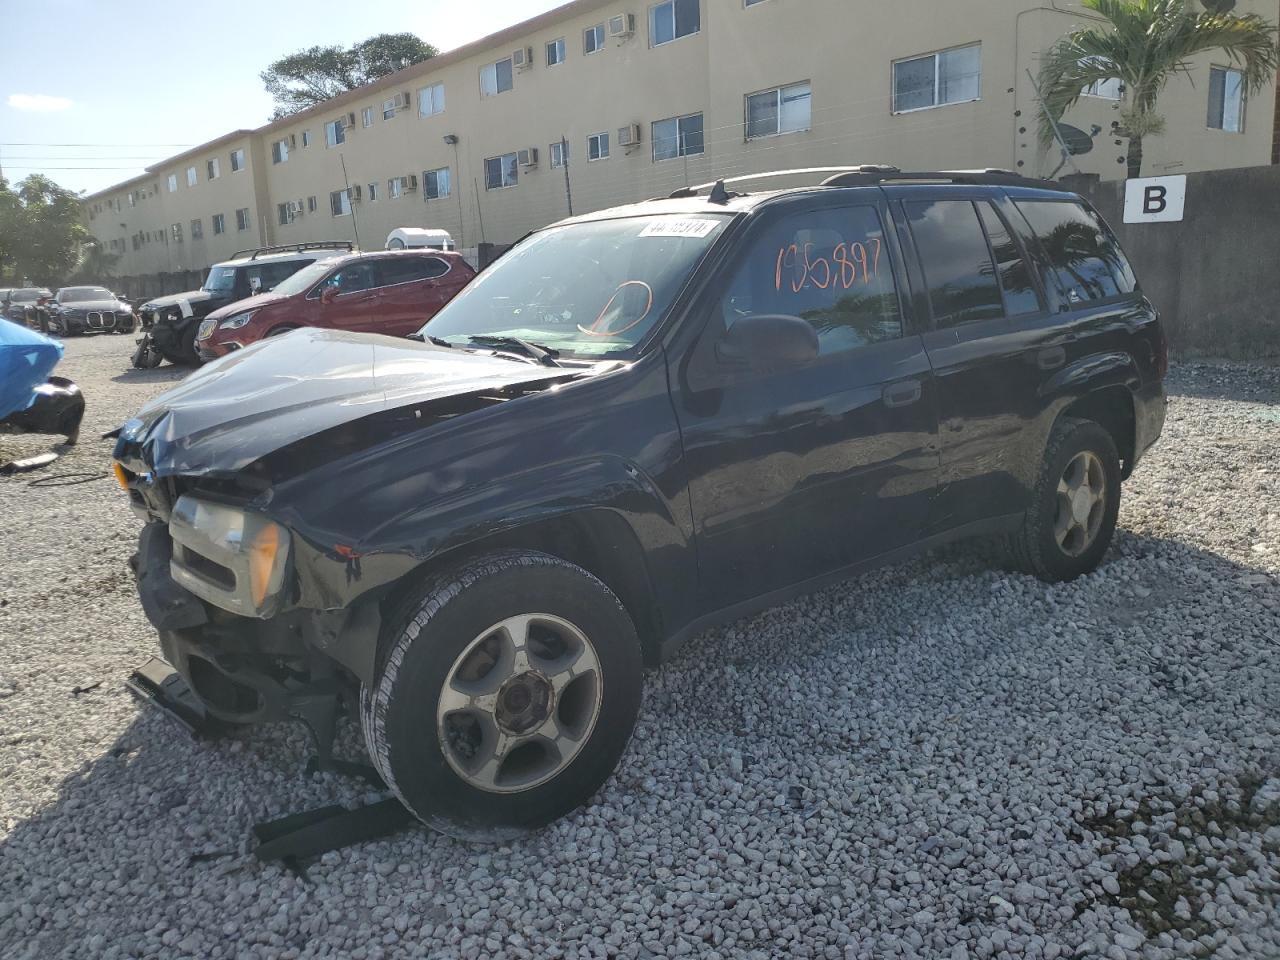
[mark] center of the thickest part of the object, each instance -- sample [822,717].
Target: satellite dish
[1218,6]
[1078,142]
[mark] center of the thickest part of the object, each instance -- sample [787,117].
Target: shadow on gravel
[159,816]
[164,374]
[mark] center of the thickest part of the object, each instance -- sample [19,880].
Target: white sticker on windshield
[680,228]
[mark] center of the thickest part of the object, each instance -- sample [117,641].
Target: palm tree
[1146,43]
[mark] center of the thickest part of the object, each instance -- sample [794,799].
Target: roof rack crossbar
[253,253]
[991,176]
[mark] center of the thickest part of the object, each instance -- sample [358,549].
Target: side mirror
[327,295]
[766,342]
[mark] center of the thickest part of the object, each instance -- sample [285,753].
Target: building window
[1226,99]
[197,230]
[593,39]
[950,76]
[242,218]
[1108,89]
[500,172]
[598,147]
[555,52]
[172,182]
[237,160]
[284,214]
[219,224]
[306,138]
[339,203]
[373,193]
[559,153]
[495,78]
[366,117]
[435,183]
[311,204]
[431,100]
[335,132]
[175,231]
[673,20]
[677,137]
[191,177]
[211,168]
[395,188]
[388,108]
[280,151]
[133,198]
[781,110]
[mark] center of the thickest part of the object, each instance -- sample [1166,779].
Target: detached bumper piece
[158,685]
[311,833]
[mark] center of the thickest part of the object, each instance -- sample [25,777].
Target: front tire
[506,692]
[1072,516]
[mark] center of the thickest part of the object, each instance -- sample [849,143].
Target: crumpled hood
[255,401]
[248,303]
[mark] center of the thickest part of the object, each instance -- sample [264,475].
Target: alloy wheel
[1082,500]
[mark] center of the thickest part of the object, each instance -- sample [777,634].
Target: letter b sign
[1155,199]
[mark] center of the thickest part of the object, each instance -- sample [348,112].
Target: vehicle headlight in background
[236,559]
[237,321]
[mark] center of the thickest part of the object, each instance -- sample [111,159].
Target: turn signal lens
[122,478]
[262,561]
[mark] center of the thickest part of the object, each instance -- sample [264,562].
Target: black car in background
[635,425]
[173,320]
[16,304]
[89,309]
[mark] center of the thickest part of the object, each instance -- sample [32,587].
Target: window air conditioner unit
[629,135]
[409,182]
[528,157]
[622,26]
[522,58]
[353,194]
[402,101]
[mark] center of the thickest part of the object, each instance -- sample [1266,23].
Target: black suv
[636,424]
[174,320]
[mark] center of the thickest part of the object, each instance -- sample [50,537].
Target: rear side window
[959,274]
[1020,296]
[408,269]
[1083,255]
[829,267]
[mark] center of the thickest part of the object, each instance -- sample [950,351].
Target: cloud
[37,101]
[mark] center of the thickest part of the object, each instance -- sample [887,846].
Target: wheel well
[1112,409]
[600,542]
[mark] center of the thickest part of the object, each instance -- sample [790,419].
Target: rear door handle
[1051,358]
[902,394]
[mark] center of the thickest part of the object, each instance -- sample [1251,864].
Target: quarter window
[1084,258]
[593,39]
[598,147]
[1226,99]
[555,52]
[959,274]
[1020,296]
[500,172]
[673,20]
[951,76]
[431,100]
[495,78]
[242,218]
[435,183]
[677,137]
[780,110]
[830,268]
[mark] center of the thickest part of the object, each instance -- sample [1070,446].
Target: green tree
[40,231]
[1145,43]
[96,264]
[316,74]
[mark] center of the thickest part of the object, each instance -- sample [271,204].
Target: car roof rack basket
[253,253]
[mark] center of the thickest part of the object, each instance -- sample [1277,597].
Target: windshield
[586,289]
[81,294]
[304,279]
[220,280]
[27,296]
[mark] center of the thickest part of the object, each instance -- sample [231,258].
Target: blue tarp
[26,360]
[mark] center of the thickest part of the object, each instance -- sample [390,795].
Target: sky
[93,91]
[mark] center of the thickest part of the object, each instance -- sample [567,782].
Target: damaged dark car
[635,425]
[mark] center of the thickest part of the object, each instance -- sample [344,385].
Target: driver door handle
[902,394]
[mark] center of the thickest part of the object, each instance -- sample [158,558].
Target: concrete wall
[1213,276]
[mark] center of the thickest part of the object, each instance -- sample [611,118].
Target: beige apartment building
[609,101]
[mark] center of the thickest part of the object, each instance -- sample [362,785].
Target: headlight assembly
[237,321]
[236,559]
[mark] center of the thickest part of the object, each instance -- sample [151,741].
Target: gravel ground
[936,760]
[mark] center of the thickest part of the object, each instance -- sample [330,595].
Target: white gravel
[936,760]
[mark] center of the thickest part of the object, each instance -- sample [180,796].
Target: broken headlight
[234,558]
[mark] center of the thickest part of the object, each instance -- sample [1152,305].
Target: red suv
[394,292]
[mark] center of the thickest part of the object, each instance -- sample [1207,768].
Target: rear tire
[1072,516]
[505,694]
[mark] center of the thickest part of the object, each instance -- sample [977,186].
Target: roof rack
[869,174]
[253,253]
